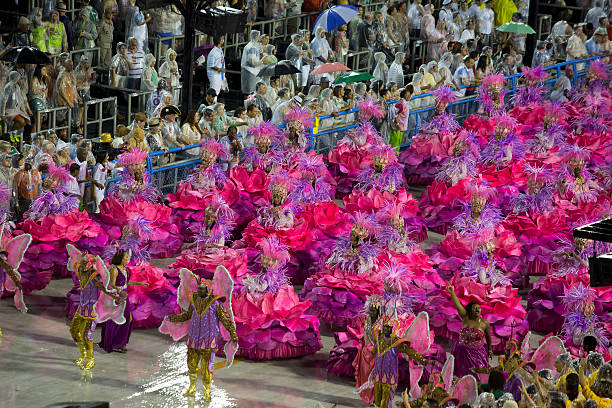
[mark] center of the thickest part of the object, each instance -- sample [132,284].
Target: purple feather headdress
[442,123]
[215,147]
[391,178]
[482,267]
[366,222]
[488,220]
[444,95]
[568,259]
[455,169]
[298,118]
[537,203]
[539,174]
[528,95]
[220,231]
[347,260]
[58,175]
[305,192]
[271,280]
[211,176]
[577,297]
[369,109]
[573,151]
[127,190]
[496,151]
[493,81]
[53,202]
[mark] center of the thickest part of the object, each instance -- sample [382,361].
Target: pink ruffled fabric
[204,263]
[425,156]
[47,257]
[440,204]
[345,164]
[165,240]
[275,326]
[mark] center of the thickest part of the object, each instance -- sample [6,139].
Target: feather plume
[444,94]
[369,109]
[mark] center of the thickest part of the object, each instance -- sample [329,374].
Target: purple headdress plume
[369,109]
[370,132]
[574,151]
[483,267]
[578,297]
[580,319]
[132,159]
[444,95]
[444,122]
[365,223]
[568,258]
[538,174]
[281,179]
[393,300]
[463,161]
[493,81]
[58,175]
[53,202]
[311,166]
[270,271]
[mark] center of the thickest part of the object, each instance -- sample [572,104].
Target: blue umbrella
[335,17]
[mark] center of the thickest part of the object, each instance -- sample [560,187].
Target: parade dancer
[98,302]
[206,306]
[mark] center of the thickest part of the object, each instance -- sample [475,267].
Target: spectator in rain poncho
[562,86]
[432,36]
[170,72]
[13,107]
[540,56]
[119,67]
[416,86]
[136,26]
[149,78]
[251,63]
[322,52]
[294,54]
[361,91]
[156,97]
[381,69]
[85,32]
[396,70]
[445,73]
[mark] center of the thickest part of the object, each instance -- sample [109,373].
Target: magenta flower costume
[351,155]
[134,197]
[433,143]
[210,250]
[338,293]
[188,202]
[207,321]
[53,221]
[270,320]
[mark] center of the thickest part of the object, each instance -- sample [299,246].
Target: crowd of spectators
[461,47]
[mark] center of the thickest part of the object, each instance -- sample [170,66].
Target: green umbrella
[353,77]
[516,28]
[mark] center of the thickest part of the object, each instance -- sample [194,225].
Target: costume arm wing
[525,345]
[418,334]
[447,373]
[188,285]
[416,372]
[223,285]
[16,249]
[107,308]
[466,390]
[74,257]
[545,355]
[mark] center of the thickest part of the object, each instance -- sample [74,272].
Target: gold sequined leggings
[82,328]
[383,395]
[204,359]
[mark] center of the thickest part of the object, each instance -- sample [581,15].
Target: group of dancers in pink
[506,189]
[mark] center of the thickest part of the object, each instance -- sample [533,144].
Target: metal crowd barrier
[49,117]
[99,117]
[167,176]
[93,53]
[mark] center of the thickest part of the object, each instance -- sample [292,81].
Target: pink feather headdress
[311,166]
[298,117]
[599,69]
[265,130]
[272,248]
[215,147]
[505,120]
[392,210]
[392,274]
[480,188]
[537,74]
[369,109]
[281,179]
[132,159]
[383,151]
[493,81]
[444,94]
[218,206]
[59,175]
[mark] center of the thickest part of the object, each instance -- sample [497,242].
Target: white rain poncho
[381,69]
[396,70]
[250,63]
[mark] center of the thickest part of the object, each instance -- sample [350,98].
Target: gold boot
[79,361]
[89,363]
[193,378]
[206,381]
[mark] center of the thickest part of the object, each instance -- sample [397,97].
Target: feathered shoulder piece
[271,247]
[575,152]
[444,94]
[369,109]
[384,152]
[311,166]
[506,121]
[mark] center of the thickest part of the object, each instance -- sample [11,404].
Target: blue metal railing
[170,171]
